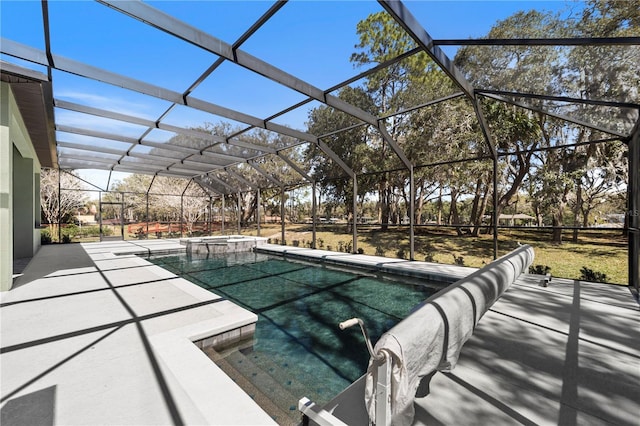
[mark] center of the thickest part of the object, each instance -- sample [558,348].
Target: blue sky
[312,40]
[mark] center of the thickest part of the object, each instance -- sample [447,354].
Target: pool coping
[436,272]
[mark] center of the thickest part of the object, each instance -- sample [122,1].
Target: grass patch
[601,251]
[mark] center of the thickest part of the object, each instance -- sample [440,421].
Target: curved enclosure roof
[220,92]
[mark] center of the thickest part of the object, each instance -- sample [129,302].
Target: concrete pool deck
[92,334]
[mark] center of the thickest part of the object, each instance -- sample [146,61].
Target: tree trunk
[440,206]
[557,225]
[384,203]
[419,205]
[475,206]
[455,216]
[576,211]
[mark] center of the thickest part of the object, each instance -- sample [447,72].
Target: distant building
[517,219]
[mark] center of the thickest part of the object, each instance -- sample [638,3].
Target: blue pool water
[298,349]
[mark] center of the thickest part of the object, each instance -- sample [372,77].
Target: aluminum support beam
[166,146]
[236,176]
[83,180]
[265,174]
[221,182]
[355,214]
[208,186]
[405,18]
[412,215]
[215,139]
[223,214]
[332,155]
[28,53]
[578,41]
[394,145]
[146,196]
[566,99]
[167,23]
[198,167]
[494,155]
[60,211]
[210,215]
[239,214]
[559,116]
[34,55]
[162,21]
[634,209]
[258,203]
[295,167]
[314,214]
[151,169]
[282,230]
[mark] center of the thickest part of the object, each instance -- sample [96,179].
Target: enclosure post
[495,207]
[59,210]
[313,214]
[122,218]
[282,214]
[355,213]
[147,217]
[147,194]
[239,215]
[494,154]
[634,209]
[222,217]
[100,213]
[210,213]
[258,210]
[181,213]
[412,212]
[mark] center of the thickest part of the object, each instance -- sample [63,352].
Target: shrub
[66,238]
[140,234]
[45,236]
[320,243]
[539,269]
[458,260]
[340,246]
[429,257]
[591,275]
[348,247]
[360,250]
[90,231]
[70,231]
[401,254]
[296,243]
[379,251]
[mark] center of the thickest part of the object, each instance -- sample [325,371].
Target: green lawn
[601,251]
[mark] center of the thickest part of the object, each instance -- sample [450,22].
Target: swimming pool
[298,349]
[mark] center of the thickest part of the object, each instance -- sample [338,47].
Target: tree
[383,39]
[60,205]
[170,199]
[351,146]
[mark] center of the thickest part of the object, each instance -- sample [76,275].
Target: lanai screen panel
[175,71]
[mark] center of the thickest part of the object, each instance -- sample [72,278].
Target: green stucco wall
[19,172]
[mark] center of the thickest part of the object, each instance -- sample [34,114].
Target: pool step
[276,400]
